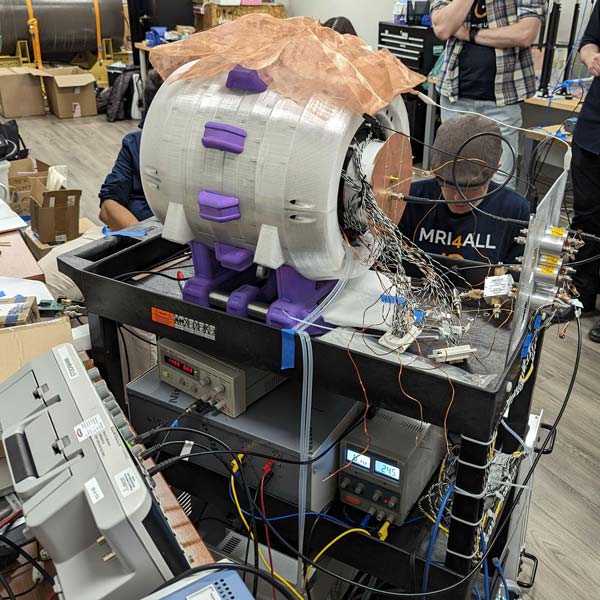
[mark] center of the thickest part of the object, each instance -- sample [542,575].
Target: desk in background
[16,259]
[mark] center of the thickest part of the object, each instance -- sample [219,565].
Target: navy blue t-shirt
[123,184]
[471,236]
[477,64]
[587,130]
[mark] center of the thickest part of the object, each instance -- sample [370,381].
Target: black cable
[135,335]
[252,525]
[235,460]
[7,587]
[28,558]
[457,158]
[374,121]
[20,594]
[126,354]
[280,459]
[131,274]
[264,575]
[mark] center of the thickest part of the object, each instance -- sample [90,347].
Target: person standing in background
[488,64]
[585,174]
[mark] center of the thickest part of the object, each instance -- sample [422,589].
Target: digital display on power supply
[356,458]
[387,470]
[173,362]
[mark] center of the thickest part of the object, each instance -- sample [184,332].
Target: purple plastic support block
[231,257]
[238,301]
[298,297]
[209,275]
[241,78]
[218,208]
[220,136]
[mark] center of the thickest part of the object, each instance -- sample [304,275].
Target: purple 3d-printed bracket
[298,297]
[220,136]
[218,208]
[209,275]
[228,267]
[231,257]
[248,80]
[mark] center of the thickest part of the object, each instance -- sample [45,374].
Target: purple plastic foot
[209,275]
[298,297]
[220,136]
[241,78]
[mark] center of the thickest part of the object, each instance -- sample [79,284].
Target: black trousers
[585,175]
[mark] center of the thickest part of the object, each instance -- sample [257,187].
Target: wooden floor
[564,530]
[88,146]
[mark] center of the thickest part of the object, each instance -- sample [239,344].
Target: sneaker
[594,333]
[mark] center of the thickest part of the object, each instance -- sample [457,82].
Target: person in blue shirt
[585,175]
[122,200]
[463,230]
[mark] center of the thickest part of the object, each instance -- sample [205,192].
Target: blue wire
[486,573]
[501,573]
[477,592]
[434,533]
[291,516]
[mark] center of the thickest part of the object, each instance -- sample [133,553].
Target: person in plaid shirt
[488,64]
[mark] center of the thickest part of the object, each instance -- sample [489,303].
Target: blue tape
[288,349]
[419,316]
[20,298]
[137,233]
[386,299]
[2,294]
[526,345]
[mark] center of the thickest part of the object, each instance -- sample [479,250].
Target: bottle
[400,12]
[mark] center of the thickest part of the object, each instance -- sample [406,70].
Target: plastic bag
[297,58]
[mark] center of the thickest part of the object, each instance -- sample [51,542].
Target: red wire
[54,596]
[262,507]
[11,518]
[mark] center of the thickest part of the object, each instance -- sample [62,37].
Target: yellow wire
[260,554]
[529,373]
[329,545]
[442,528]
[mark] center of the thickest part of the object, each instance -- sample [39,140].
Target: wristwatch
[472,35]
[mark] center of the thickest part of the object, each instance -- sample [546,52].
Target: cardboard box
[70,92]
[21,171]
[18,345]
[54,214]
[40,249]
[18,311]
[21,93]
[20,202]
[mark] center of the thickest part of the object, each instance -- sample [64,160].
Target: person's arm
[448,20]
[116,190]
[590,43]
[519,35]
[116,216]
[590,55]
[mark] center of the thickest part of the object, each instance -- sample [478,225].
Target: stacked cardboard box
[21,93]
[20,174]
[70,92]
[54,214]
[18,311]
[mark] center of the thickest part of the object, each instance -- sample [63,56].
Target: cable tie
[476,524]
[479,442]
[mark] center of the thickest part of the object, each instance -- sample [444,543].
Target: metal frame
[475,415]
